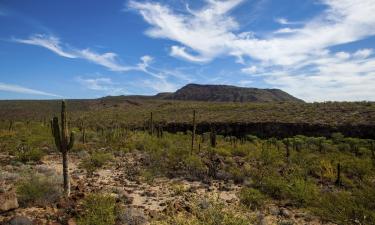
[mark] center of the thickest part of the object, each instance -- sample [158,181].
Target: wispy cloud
[284,21]
[289,55]
[108,60]
[50,42]
[23,90]
[160,85]
[102,84]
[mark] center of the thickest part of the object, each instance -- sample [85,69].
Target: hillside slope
[226,93]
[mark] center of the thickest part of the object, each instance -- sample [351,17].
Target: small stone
[285,213]
[274,210]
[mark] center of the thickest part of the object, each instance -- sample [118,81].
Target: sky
[316,50]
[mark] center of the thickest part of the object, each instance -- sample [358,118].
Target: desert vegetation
[121,174]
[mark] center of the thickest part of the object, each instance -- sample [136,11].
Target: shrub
[357,168]
[27,154]
[195,165]
[343,208]
[205,211]
[302,192]
[241,151]
[251,198]
[98,209]
[274,186]
[237,174]
[38,190]
[95,161]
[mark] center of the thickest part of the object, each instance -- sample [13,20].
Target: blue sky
[317,50]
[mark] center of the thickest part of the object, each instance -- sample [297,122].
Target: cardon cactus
[63,143]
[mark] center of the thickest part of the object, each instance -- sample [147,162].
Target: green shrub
[95,161]
[29,154]
[237,174]
[38,190]
[274,186]
[195,165]
[357,168]
[251,198]
[302,192]
[343,208]
[98,209]
[241,151]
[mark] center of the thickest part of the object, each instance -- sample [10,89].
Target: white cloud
[23,90]
[50,42]
[363,53]
[332,77]
[300,56]
[250,70]
[282,21]
[103,84]
[160,85]
[146,60]
[108,60]
[180,52]
[286,30]
[201,30]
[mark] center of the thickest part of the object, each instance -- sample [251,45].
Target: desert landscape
[187,112]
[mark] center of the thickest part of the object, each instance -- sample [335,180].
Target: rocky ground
[141,200]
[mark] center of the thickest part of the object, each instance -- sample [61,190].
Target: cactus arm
[56,132]
[71,141]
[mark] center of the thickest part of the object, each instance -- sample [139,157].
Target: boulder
[8,201]
[20,220]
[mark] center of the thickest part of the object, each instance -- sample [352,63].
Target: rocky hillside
[226,93]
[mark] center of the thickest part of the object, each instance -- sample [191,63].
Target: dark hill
[226,93]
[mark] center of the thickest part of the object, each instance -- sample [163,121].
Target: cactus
[151,125]
[10,125]
[286,142]
[213,137]
[193,133]
[160,130]
[63,143]
[338,180]
[82,128]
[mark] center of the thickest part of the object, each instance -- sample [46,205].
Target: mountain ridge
[227,93]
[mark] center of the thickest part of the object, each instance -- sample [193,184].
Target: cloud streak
[108,60]
[23,90]
[102,84]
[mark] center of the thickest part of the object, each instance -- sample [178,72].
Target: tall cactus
[338,180]
[63,143]
[213,137]
[151,125]
[193,133]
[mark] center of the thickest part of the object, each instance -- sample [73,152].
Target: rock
[285,213]
[43,169]
[274,210]
[133,216]
[72,221]
[265,220]
[20,220]
[8,201]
